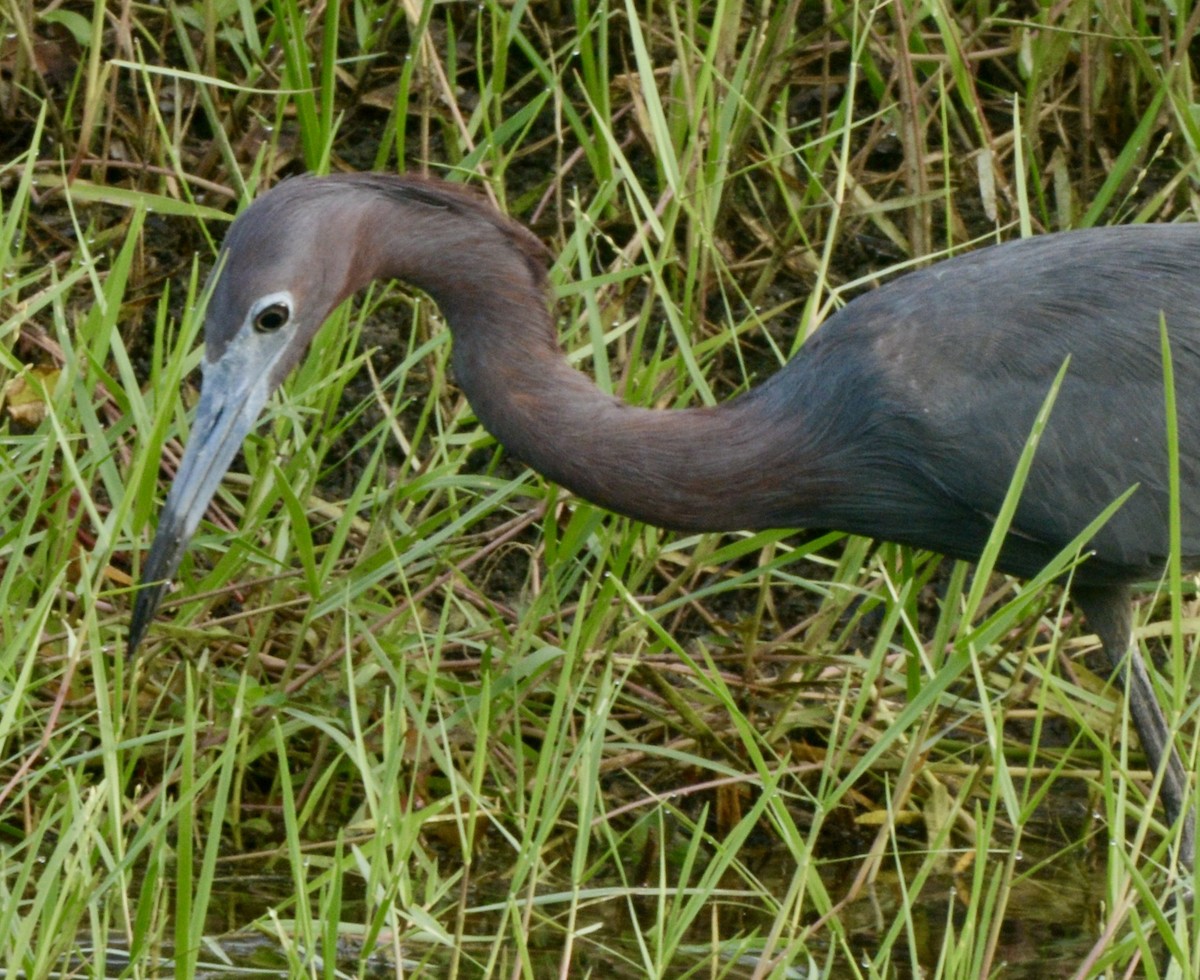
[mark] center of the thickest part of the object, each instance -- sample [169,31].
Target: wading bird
[901,418]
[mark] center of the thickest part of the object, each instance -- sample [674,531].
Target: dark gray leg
[1109,615]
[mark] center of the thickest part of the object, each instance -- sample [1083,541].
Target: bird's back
[947,368]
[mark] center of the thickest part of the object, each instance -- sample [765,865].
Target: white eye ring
[271,313]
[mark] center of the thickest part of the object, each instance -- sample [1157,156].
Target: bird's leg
[1109,614]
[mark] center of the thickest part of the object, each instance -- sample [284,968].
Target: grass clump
[416,710]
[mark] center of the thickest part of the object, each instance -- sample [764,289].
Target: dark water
[1053,918]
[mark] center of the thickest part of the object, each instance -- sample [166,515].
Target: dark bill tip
[145,605]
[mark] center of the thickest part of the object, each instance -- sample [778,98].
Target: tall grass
[415,710]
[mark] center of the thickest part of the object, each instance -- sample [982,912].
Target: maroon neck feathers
[669,468]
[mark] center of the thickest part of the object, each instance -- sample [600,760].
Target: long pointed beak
[234,392]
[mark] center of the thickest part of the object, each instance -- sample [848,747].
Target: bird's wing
[967,351]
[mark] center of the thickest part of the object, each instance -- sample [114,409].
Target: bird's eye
[271,318]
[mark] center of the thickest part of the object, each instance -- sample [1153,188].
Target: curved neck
[671,468]
[725,468]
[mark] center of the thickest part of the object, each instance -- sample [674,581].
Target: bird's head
[287,261]
[280,273]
